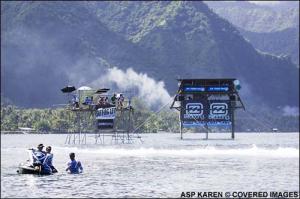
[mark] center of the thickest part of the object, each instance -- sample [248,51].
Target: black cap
[40,145]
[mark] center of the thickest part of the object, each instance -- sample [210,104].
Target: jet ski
[28,168]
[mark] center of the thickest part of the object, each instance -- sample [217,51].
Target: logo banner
[193,113]
[105,117]
[106,113]
[219,112]
[201,112]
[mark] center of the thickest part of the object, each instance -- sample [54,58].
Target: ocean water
[160,166]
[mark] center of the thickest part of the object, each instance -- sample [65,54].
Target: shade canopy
[68,89]
[102,90]
[84,88]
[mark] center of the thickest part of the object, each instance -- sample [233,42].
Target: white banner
[106,113]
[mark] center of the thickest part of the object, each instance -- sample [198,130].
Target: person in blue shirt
[74,166]
[75,101]
[49,158]
[39,157]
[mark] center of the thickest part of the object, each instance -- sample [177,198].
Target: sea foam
[280,152]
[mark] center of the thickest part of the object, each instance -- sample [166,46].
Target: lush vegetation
[144,120]
[61,120]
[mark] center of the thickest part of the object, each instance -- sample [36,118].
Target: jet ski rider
[39,160]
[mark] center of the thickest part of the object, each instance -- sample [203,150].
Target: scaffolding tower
[122,128]
[114,120]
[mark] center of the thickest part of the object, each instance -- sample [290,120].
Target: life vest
[38,156]
[75,166]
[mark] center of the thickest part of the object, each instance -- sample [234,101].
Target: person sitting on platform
[74,167]
[88,100]
[100,102]
[120,101]
[106,103]
[75,101]
[113,99]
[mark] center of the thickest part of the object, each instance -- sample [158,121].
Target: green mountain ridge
[269,28]
[55,48]
[256,18]
[162,39]
[279,43]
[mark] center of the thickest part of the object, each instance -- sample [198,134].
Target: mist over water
[160,166]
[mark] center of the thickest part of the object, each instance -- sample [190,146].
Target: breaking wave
[282,152]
